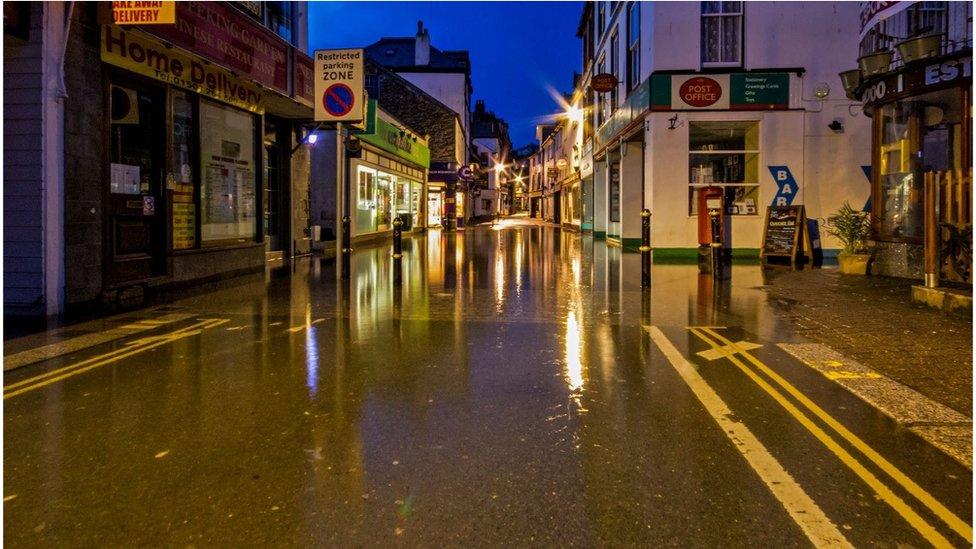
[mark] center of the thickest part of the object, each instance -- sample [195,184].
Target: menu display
[783,231]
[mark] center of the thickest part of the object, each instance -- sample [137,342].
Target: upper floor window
[721,34]
[601,19]
[614,67]
[633,45]
[280,18]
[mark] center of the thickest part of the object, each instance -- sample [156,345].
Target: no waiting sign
[339,86]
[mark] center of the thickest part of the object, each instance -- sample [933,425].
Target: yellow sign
[144,13]
[134,52]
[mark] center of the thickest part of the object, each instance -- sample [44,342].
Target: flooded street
[516,388]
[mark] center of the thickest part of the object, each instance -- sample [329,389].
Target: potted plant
[852,228]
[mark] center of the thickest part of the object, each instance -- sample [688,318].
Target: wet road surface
[517,388]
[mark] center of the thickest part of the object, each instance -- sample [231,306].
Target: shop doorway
[275,189]
[557,208]
[434,206]
[136,229]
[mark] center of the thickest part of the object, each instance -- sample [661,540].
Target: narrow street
[517,388]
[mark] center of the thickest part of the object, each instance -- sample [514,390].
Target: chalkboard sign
[783,232]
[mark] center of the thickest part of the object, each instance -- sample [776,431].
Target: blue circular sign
[338,99]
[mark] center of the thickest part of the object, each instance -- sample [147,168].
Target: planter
[853,264]
[921,47]
[875,63]
[851,80]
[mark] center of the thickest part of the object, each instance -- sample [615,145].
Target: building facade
[172,156]
[736,96]
[494,154]
[914,77]
[445,76]
[384,170]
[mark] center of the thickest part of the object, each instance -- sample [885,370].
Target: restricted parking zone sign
[339,86]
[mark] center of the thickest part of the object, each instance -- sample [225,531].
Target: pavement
[874,321]
[517,387]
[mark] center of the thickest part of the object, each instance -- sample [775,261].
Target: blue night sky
[517,48]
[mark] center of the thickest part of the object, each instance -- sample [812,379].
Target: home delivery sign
[736,91]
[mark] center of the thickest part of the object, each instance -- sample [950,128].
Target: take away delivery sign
[339,93]
[144,13]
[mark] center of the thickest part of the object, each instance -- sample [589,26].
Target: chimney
[479,106]
[421,51]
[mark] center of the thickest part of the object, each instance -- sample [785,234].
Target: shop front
[922,130]
[389,178]
[201,174]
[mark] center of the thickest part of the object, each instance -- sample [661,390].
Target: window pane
[183,206]
[229,180]
[711,7]
[730,39]
[711,28]
[634,29]
[738,200]
[723,136]
[731,7]
[707,169]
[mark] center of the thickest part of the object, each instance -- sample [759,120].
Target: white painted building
[736,95]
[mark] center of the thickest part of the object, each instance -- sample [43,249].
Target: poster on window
[227,165]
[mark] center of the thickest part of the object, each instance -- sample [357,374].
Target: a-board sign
[783,232]
[339,93]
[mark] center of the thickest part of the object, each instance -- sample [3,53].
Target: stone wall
[420,112]
[85,176]
[898,259]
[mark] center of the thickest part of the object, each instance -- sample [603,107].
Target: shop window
[725,154]
[384,196]
[227,157]
[183,182]
[614,188]
[721,34]
[901,191]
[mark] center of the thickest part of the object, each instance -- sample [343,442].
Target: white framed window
[600,100]
[614,69]
[633,45]
[721,34]
[725,154]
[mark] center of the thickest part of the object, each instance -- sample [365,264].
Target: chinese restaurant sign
[144,13]
[148,57]
[737,91]
[220,33]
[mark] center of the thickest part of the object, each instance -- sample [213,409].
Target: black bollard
[397,238]
[346,247]
[716,244]
[645,248]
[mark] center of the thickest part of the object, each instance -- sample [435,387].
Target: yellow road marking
[960,526]
[39,381]
[798,504]
[885,493]
[126,349]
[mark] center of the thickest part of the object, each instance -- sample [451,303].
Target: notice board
[783,232]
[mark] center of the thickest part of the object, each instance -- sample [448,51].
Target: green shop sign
[744,91]
[386,136]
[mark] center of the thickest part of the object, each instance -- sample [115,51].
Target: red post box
[710,198]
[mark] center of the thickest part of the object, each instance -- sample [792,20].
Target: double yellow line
[728,349]
[132,348]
